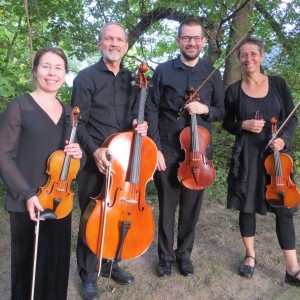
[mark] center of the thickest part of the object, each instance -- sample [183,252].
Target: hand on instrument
[140,128]
[277,145]
[101,156]
[253,125]
[196,107]
[33,205]
[161,163]
[73,150]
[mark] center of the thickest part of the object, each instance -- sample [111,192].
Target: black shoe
[119,275]
[90,291]
[292,279]
[246,270]
[185,266]
[164,268]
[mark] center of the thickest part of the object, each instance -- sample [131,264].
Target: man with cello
[172,81]
[108,105]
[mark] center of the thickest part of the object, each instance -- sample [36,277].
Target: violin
[56,194]
[196,172]
[118,224]
[282,191]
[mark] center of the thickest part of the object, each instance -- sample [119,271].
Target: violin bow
[280,129]
[192,98]
[46,214]
[107,189]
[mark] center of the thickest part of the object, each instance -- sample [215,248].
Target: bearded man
[108,105]
[167,94]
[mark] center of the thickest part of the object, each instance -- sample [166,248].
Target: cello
[56,194]
[196,172]
[118,224]
[282,191]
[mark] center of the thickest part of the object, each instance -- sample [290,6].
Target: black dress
[247,175]
[28,136]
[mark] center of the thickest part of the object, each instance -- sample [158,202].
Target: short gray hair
[108,24]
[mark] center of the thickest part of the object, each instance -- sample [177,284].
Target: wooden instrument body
[126,205]
[56,193]
[282,191]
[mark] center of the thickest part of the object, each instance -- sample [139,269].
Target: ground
[217,254]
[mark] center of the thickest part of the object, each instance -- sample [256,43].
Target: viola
[282,191]
[196,172]
[56,194]
[118,224]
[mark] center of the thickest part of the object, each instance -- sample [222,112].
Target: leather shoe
[119,275]
[247,271]
[292,279]
[90,290]
[164,268]
[185,266]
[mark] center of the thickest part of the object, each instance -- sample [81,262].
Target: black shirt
[107,104]
[167,95]
[28,137]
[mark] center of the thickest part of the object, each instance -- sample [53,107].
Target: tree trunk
[239,26]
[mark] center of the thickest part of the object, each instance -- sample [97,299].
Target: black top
[247,175]
[28,137]
[167,95]
[107,104]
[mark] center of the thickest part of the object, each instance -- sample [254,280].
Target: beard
[113,57]
[188,56]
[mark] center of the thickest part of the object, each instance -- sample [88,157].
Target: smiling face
[251,57]
[189,48]
[50,73]
[113,43]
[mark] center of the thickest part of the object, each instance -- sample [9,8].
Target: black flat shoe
[185,267]
[246,270]
[292,279]
[119,275]
[164,268]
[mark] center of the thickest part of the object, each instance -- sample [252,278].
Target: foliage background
[73,25]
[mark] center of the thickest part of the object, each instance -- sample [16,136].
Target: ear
[177,41]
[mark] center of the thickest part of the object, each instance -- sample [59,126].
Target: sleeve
[82,94]
[152,108]
[290,128]
[230,122]
[10,132]
[216,107]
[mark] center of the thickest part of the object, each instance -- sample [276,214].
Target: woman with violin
[32,127]
[171,88]
[250,104]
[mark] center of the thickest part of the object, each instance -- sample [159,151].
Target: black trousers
[285,229]
[171,194]
[53,258]
[90,182]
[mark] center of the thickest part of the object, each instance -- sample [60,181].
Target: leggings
[285,229]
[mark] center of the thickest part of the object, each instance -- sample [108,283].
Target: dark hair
[251,40]
[108,24]
[45,50]
[190,22]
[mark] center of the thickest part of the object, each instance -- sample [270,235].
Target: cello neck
[137,145]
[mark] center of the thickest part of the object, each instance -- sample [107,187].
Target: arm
[82,97]
[10,131]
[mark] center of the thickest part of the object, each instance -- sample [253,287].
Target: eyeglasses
[187,38]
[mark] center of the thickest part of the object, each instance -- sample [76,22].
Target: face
[113,44]
[251,58]
[189,48]
[50,73]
